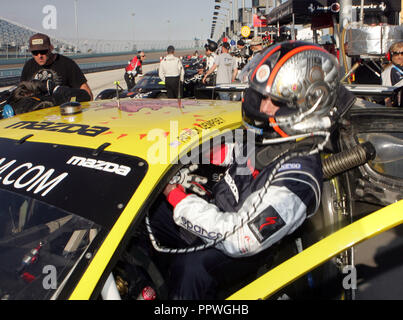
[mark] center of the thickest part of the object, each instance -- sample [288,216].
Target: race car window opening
[284,158]
[200,155]
[204,169]
[39,246]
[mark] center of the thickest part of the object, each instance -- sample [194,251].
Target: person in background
[46,65]
[227,70]
[393,72]
[243,53]
[211,48]
[134,68]
[256,46]
[195,55]
[392,75]
[171,72]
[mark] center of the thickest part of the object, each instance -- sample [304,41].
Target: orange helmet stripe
[288,56]
[270,53]
[277,128]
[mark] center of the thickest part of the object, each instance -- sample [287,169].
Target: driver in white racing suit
[291,107]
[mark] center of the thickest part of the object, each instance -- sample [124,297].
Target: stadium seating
[14,36]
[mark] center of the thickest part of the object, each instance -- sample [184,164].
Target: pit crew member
[46,65]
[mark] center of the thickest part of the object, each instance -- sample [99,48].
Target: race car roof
[141,140]
[132,129]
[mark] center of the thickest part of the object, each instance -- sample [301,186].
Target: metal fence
[14,39]
[12,51]
[110,46]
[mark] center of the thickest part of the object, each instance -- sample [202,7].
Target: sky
[116,19]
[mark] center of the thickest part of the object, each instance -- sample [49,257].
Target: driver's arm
[265,217]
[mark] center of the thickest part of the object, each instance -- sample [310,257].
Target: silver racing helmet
[299,77]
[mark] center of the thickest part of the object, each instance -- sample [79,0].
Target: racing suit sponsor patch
[201,232]
[266,224]
[290,166]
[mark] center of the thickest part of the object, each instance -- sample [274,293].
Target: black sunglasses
[395,53]
[42,52]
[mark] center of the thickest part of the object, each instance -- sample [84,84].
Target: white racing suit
[293,195]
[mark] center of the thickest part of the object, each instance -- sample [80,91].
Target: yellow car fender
[295,267]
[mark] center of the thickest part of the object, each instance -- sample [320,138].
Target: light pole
[229,13]
[169,31]
[134,27]
[345,18]
[243,12]
[76,19]
[221,26]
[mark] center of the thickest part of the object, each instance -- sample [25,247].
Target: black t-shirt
[63,71]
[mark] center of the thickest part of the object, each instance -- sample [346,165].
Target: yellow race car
[77,182]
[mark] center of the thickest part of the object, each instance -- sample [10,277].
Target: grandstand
[14,43]
[14,40]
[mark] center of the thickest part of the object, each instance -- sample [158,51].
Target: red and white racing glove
[190,181]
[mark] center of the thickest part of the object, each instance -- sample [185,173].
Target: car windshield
[149,82]
[39,245]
